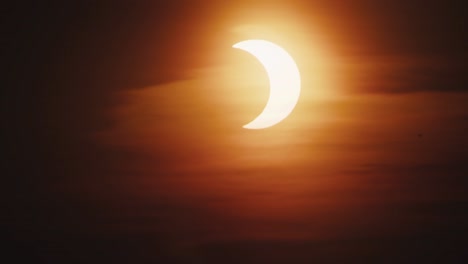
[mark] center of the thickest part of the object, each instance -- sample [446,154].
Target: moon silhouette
[284,77]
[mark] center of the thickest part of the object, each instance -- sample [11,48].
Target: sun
[284,77]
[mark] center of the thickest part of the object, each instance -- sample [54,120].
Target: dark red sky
[124,142]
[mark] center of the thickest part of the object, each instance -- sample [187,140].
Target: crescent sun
[284,77]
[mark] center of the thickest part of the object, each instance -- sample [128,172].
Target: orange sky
[355,150]
[125,139]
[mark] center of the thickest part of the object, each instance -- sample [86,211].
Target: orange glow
[125,141]
[313,169]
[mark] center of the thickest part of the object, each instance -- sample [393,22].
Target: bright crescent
[284,77]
